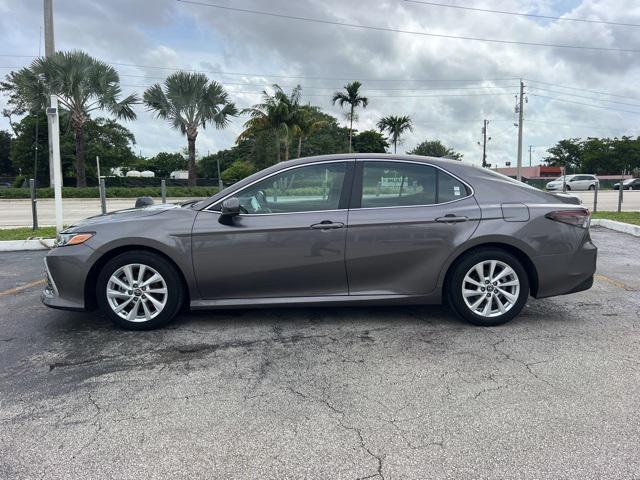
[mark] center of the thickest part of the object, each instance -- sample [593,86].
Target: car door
[290,240]
[405,220]
[582,182]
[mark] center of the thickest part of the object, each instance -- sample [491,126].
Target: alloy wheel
[137,292]
[490,288]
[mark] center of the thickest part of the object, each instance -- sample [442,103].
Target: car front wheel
[139,290]
[488,287]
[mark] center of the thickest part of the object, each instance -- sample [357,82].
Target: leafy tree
[305,123]
[370,141]
[276,114]
[243,151]
[164,163]
[104,137]
[351,96]
[5,149]
[395,126]
[112,142]
[237,171]
[600,156]
[435,148]
[190,101]
[83,85]
[566,153]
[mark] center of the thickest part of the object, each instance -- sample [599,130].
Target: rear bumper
[566,273]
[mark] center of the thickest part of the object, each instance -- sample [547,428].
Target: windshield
[559,179]
[628,181]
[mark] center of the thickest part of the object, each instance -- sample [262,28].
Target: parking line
[19,289]
[615,283]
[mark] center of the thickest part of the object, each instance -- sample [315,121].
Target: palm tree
[395,126]
[306,123]
[277,113]
[189,101]
[352,97]
[83,85]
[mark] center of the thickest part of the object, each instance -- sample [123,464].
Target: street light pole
[54,122]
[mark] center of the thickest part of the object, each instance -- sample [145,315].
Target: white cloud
[173,34]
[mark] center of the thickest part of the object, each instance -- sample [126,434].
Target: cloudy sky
[448,86]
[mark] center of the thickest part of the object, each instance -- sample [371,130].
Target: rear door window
[400,184]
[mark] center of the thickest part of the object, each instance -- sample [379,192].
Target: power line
[309,77]
[582,89]
[409,32]
[316,87]
[586,97]
[369,96]
[585,104]
[520,14]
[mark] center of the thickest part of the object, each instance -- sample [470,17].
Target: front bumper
[66,270]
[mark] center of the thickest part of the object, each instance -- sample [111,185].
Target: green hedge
[113,192]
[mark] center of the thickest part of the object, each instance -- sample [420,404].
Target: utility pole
[484,143]
[530,147]
[52,114]
[520,118]
[49,51]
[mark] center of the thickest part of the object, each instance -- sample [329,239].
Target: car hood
[123,215]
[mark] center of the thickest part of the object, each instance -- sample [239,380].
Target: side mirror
[230,209]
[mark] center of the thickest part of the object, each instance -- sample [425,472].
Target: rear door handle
[451,218]
[327,225]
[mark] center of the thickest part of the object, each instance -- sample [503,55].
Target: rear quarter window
[449,188]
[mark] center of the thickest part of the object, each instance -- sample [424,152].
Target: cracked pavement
[387,393]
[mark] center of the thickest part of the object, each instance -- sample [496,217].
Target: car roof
[373,156]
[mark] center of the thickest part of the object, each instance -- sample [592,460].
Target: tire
[463,272]
[157,302]
[592,187]
[568,188]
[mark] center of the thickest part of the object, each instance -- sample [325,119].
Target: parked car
[5,185]
[628,184]
[365,229]
[574,182]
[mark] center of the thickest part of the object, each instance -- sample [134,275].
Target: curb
[617,226]
[20,245]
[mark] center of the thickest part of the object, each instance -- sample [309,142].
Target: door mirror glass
[230,209]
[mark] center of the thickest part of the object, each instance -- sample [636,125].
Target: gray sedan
[367,229]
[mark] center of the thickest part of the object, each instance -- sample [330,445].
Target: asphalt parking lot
[393,393]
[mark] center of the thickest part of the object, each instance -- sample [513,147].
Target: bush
[18,182]
[237,171]
[112,192]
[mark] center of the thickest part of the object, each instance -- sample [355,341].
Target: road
[17,213]
[336,393]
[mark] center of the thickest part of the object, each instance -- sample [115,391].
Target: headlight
[64,239]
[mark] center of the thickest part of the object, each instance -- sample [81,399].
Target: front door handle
[451,218]
[327,225]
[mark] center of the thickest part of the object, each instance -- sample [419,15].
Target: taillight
[577,218]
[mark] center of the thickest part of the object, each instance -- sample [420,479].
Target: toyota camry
[363,229]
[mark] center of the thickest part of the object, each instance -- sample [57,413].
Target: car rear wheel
[139,290]
[488,287]
[592,187]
